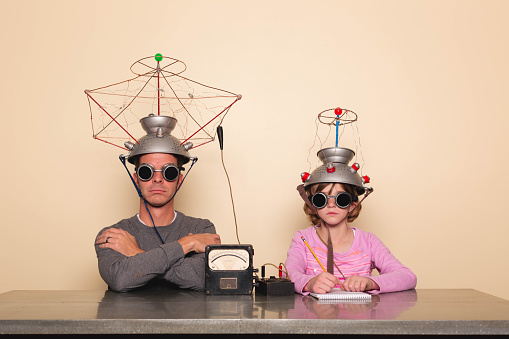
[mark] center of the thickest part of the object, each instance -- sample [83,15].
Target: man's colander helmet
[335,169]
[158,139]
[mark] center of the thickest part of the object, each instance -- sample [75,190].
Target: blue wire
[337,130]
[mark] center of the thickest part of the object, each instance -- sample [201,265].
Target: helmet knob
[305,176]
[188,145]
[129,145]
[330,167]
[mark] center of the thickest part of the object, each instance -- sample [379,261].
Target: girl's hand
[322,283]
[357,283]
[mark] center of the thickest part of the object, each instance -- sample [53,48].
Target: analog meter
[229,269]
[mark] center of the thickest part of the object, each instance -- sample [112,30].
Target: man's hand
[120,241]
[197,242]
[322,283]
[357,283]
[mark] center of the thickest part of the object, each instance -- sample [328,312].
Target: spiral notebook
[338,294]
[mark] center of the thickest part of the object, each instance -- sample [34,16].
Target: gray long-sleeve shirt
[165,263]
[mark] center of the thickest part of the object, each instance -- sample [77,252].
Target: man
[158,248]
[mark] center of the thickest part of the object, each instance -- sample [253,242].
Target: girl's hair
[310,190]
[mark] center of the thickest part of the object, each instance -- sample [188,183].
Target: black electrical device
[274,286]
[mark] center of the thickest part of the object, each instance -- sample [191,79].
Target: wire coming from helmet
[123,161]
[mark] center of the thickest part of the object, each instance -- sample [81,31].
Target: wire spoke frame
[158,88]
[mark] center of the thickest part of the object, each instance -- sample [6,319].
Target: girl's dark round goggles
[170,172]
[342,199]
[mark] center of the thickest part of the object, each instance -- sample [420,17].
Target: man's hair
[310,190]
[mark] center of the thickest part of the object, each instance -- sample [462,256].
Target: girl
[349,254]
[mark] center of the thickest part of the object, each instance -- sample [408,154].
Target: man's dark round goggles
[342,199]
[170,172]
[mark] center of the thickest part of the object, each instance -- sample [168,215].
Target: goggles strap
[330,254]
[304,196]
[152,219]
[122,160]
[339,270]
[369,190]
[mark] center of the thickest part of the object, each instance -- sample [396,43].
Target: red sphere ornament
[330,167]
[338,111]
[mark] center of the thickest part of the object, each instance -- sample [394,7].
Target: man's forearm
[188,272]
[123,273]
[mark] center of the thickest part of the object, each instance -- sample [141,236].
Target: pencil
[313,253]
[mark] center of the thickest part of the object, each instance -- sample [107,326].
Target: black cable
[220,137]
[122,160]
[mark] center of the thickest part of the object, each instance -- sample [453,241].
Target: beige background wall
[429,80]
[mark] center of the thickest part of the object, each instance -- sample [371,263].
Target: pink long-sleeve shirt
[366,253]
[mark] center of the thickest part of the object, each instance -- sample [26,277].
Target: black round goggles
[170,172]
[342,199]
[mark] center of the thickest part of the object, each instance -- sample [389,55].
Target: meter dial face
[228,260]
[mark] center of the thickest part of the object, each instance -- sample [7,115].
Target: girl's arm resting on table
[394,276]
[356,283]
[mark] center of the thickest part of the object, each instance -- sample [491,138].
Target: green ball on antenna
[158,57]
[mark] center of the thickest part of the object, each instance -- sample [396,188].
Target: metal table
[422,311]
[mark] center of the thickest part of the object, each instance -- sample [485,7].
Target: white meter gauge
[228,259]
[229,269]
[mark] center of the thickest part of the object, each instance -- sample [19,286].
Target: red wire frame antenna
[159,89]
